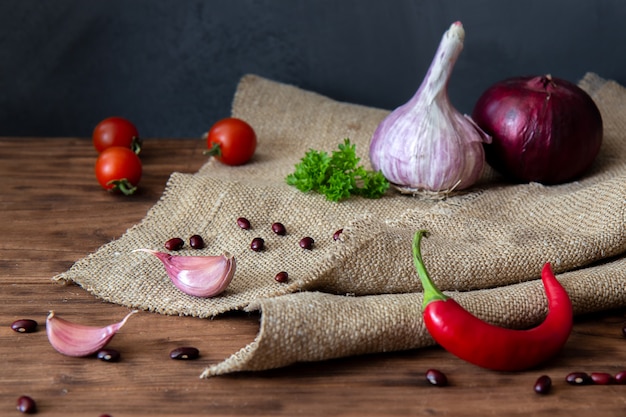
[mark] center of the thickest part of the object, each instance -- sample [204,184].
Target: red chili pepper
[489,346]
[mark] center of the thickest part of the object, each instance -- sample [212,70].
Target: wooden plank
[54,213]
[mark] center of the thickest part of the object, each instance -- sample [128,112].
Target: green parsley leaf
[337,176]
[310,174]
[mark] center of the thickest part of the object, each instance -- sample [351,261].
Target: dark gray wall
[172,66]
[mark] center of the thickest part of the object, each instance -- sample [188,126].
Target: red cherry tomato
[231,141]
[116,131]
[118,169]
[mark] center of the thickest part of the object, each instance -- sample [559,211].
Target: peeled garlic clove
[426,144]
[200,276]
[73,339]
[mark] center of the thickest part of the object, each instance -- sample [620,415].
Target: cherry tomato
[118,169]
[231,141]
[116,131]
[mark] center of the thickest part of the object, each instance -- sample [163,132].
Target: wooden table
[54,213]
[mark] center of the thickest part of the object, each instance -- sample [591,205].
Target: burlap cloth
[361,294]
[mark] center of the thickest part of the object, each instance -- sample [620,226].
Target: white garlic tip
[73,339]
[199,276]
[456,30]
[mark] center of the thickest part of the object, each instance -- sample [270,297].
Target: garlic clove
[73,339]
[199,276]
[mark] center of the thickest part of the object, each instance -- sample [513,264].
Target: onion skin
[543,129]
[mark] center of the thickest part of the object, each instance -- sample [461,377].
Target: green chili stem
[431,292]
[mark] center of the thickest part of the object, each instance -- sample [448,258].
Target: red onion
[543,129]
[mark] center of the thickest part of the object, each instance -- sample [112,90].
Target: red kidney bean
[243,223]
[24,326]
[282,277]
[196,242]
[257,244]
[601,378]
[620,377]
[108,355]
[543,385]
[337,234]
[279,229]
[436,377]
[307,243]
[578,378]
[174,244]
[185,353]
[105,415]
[26,405]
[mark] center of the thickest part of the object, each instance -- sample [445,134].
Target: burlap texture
[361,294]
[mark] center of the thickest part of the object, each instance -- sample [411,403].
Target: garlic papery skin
[426,144]
[73,339]
[200,276]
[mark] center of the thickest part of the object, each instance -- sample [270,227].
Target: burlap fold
[488,244]
[313,326]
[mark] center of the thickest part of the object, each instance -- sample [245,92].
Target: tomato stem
[135,144]
[431,292]
[215,150]
[124,186]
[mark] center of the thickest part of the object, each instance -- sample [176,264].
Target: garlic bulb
[73,339]
[200,276]
[426,144]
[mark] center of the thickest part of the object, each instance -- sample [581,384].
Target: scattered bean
[196,242]
[279,229]
[257,244]
[307,243]
[26,405]
[109,355]
[337,234]
[185,353]
[624,330]
[243,223]
[24,326]
[620,377]
[436,377]
[543,385]
[282,277]
[174,243]
[601,378]
[578,378]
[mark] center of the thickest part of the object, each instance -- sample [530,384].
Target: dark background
[172,66]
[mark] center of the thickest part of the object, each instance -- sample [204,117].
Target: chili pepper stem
[214,150]
[431,292]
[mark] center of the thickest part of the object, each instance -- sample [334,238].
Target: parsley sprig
[337,176]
